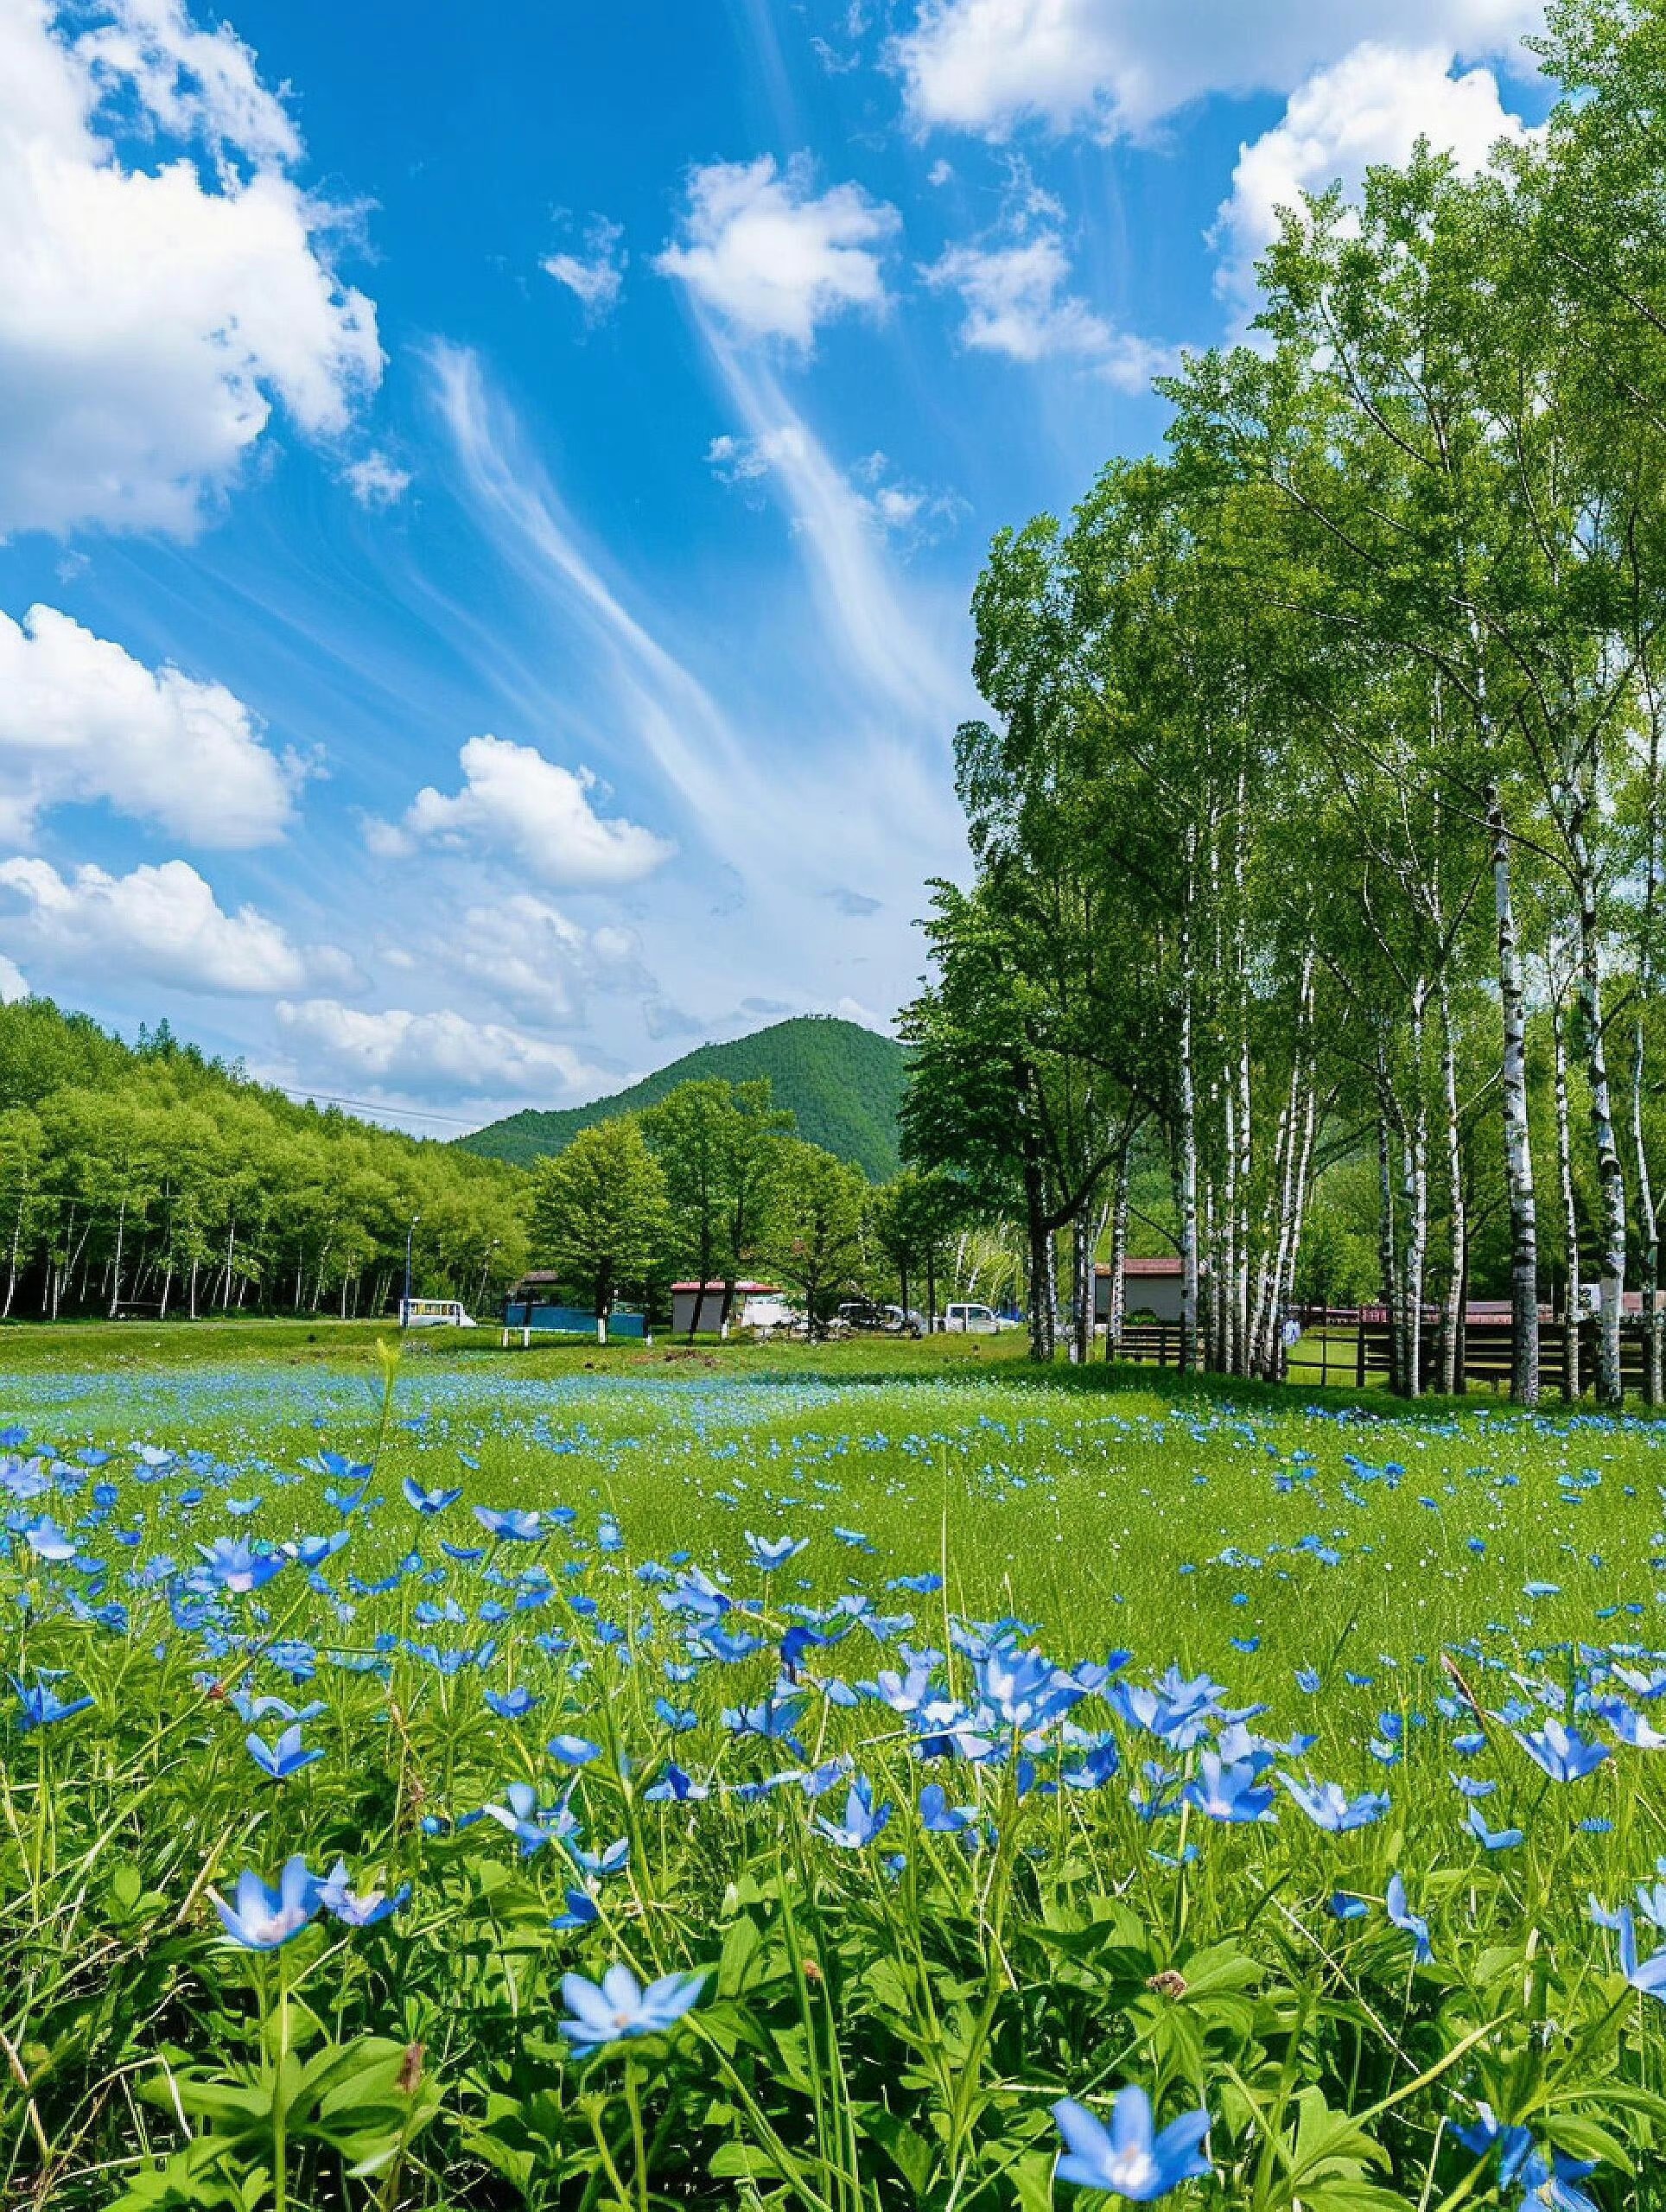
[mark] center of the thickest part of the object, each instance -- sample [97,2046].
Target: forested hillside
[153,1179]
[842,1084]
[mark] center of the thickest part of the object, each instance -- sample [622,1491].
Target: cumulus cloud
[596,276]
[773,257]
[376,481]
[158,924]
[81,720]
[519,805]
[1123,66]
[1017,303]
[149,321]
[430,1055]
[1371,107]
[527,954]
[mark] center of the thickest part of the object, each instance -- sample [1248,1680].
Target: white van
[973,1320]
[435,1313]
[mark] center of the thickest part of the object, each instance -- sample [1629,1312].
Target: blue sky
[489,499]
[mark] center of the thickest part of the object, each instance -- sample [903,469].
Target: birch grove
[1316,817]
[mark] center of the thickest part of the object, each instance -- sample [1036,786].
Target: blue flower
[573,1750]
[1328,1806]
[47,1541]
[1412,1923]
[511,1524]
[429,1501]
[1548,2185]
[675,1788]
[1650,1976]
[532,1824]
[1344,1905]
[283,1758]
[583,1912]
[1562,1753]
[42,1704]
[1493,1839]
[263,1919]
[1127,2159]
[776,1720]
[511,1704]
[861,1823]
[619,2007]
[938,1815]
[1232,1792]
[1023,1690]
[238,1567]
[1510,2143]
[358,1911]
[770,1552]
[612,1860]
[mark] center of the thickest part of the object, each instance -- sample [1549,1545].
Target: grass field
[1006,1786]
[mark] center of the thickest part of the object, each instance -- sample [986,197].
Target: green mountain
[843,1083]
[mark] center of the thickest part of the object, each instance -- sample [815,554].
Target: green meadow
[948,1721]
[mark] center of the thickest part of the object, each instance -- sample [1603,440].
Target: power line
[368,1106]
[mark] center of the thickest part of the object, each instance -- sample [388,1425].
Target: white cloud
[1371,107]
[850,777]
[376,481]
[1122,66]
[773,258]
[894,505]
[515,802]
[430,1055]
[1017,304]
[81,720]
[191,83]
[525,954]
[149,321]
[882,641]
[160,925]
[596,276]
[13,984]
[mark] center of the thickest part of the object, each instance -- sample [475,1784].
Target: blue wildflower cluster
[749,1856]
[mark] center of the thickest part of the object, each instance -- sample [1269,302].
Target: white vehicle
[435,1313]
[763,1310]
[964,1319]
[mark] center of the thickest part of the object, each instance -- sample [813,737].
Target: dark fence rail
[1350,1345]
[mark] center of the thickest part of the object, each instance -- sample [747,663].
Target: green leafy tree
[816,1239]
[599,1212]
[717,1143]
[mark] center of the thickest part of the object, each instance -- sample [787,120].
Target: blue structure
[568,1321]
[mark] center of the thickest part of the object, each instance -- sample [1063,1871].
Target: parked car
[864,1315]
[966,1319]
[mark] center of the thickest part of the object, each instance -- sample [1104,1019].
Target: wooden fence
[1351,1347]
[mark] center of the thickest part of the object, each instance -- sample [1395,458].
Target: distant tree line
[149,1178]
[1317,818]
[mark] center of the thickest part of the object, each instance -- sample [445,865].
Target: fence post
[1359,1351]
